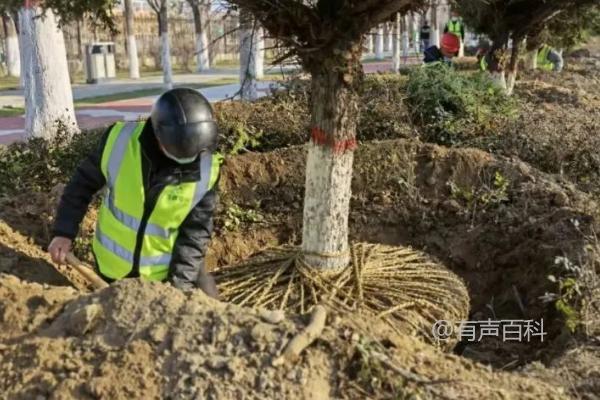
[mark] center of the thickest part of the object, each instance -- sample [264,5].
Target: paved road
[12,128]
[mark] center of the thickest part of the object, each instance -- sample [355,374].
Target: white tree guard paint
[325,227]
[405,38]
[165,47]
[396,46]
[500,79]
[47,88]
[510,82]
[134,65]
[258,51]
[379,43]
[202,43]
[370,43]
[390,38]
[434,39]
[13,54]
[248,89]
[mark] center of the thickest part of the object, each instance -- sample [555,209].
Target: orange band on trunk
[320,138]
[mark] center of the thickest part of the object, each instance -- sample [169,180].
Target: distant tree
[327,36]
[568,29]
[11,39]
[47,87]
[504,20]
[134,65]
[201,12]
[161,9]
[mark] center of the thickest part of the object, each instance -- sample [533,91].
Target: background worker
[449,47]
[456,26]
[160,176]
[549,59]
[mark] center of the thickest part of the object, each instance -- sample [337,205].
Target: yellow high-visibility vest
[542,58]
[121,216]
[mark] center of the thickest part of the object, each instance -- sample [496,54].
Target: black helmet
[184,124]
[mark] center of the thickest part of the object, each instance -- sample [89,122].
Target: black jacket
[187,263]
[432,54]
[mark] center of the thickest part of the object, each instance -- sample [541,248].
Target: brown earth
[143,340]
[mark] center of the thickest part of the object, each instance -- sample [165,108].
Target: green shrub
[39,164]
[450,105]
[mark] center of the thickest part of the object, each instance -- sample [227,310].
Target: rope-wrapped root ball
[400,285]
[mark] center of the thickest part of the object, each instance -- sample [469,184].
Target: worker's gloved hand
[58,249]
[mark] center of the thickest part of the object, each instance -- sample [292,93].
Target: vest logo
[174,195]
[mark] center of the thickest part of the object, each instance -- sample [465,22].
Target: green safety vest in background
[455,27]
[542,59]
[121,213]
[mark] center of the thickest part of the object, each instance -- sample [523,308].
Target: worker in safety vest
[456,26]
[449,46]
[160,179]
[548,59]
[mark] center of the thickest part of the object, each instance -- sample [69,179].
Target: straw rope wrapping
[400,285]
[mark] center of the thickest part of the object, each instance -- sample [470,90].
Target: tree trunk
[202,44]
[334,113]
[13,56]
[259,53]
[389,30]
[499,77]
[165,47]
[396,46]
[405,39]
[379,43]
[513,65]
[134,66]
[247,58]
[435,32]
[370,43]
[47,88]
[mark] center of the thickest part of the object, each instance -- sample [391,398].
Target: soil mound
[149,340]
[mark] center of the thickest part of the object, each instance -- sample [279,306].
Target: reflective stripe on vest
[121,213]
[483,65]
[542,59]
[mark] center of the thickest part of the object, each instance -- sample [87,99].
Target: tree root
[399,285]
[304,339]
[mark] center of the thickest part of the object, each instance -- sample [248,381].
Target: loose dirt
[146,340]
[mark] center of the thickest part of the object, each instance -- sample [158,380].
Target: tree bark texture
[132,51]
[259,54]
[334,113]
[513,66]
[405,38]
[47,88]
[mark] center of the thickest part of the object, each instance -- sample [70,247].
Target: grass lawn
[148,92]
[11,112]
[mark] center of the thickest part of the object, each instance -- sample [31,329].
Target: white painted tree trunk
[203,57]
[134,66]
[258,52]
[405,38]
[248,90]
[326,207]
[201,20]
[390,38]
[396,46]
[13,56]
[370,43]
[500,79]
[435,31]
[510,83]
[165,47]
[379,43]
[329,168]
[47,91]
